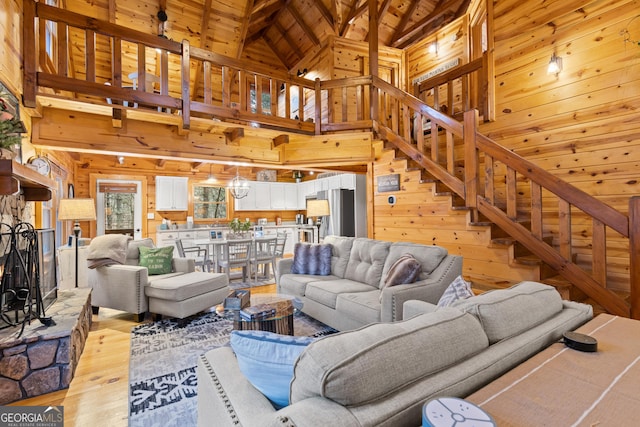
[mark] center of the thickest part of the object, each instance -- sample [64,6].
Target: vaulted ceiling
[288,29]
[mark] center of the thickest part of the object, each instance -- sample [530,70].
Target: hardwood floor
[98,392]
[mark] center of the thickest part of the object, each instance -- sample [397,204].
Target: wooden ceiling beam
[307,30]
[117,117]
[280,140]
[354,14]
[160,163]
[326,14]
[437,14]
[232,135]
[112,11]
[384,8]
[244,29]
[406,17]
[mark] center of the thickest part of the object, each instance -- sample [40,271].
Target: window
[50,33]
[210,202]
[266,101]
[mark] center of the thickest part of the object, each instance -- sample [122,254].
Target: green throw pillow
[157,260]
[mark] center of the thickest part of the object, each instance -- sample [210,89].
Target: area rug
[162,366]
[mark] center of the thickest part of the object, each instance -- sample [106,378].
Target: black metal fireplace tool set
[20,294]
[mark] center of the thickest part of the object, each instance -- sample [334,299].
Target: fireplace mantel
[14,176]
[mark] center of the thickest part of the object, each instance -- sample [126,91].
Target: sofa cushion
[429,257]
[296,284]
[311,259]
[367,260]
[157,260]
[508,312]
[341,250]
[326,292]
[107,250]
[183,286]
[459,289]
[266,360]
[362,306]
[406,269]
[357,367]
[133,250]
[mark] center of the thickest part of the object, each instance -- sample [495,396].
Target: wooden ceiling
[286,30]
[280,34]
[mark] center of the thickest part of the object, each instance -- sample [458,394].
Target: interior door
[119,207]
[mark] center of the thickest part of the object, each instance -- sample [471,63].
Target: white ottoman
[186,294]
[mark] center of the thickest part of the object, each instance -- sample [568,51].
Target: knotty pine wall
[581,125]
[90,167]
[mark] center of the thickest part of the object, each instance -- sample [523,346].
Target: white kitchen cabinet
[167,238]
[278,197]
[305,189]
[247,203]
[172,193]
[334,182]
[348,181]
[262,195]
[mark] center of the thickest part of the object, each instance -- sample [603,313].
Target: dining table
[214,245]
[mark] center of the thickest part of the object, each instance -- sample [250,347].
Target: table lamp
[318,208]
[76,210]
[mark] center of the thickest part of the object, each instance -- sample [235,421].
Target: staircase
[509,203]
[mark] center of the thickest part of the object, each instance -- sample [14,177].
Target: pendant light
[210,178]
[239,186]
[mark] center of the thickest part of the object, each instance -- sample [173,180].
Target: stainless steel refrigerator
[342,218]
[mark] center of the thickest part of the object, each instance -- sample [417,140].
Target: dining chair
[264,254]
[198,253]
[281,240]
[235,254]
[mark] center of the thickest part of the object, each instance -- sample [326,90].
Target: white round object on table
[454,412]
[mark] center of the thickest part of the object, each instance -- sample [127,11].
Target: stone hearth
[44,359]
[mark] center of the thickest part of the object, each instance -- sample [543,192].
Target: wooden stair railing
[241,86]
[502,205]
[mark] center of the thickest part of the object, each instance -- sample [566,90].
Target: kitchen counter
[169,237]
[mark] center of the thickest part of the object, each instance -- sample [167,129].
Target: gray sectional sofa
[353,294]
[382,374]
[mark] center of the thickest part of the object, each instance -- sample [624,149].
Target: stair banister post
[634,256]
[470,158]
[185,87]
[318,91]
[29,56]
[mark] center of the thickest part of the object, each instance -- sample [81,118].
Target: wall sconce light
[121,160]
[301,73]
[433,47]
[555,65]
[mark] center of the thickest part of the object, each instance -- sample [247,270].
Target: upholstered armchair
[122,286]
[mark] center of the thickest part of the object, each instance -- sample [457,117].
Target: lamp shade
[77,210]
[317,207]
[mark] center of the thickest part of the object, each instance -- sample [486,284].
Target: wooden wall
[90,167]
[582,124]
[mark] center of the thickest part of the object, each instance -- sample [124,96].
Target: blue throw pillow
[266,360]
[311,259]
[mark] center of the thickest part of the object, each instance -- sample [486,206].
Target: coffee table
[280,321]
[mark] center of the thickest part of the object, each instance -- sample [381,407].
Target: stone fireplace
[42,358]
